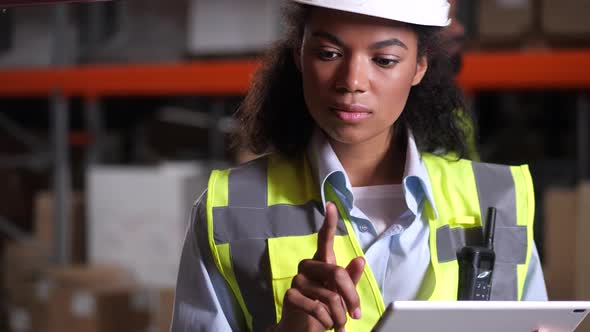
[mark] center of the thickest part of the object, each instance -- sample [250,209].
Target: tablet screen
[485,316]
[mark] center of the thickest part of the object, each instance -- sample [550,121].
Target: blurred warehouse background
[113,113]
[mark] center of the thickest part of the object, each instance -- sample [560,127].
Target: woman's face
[357,73]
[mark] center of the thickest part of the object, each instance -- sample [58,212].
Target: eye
[385,62]
[328,55]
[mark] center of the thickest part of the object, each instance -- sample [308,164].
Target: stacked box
[567,253]
[504,22]
[566,21]
[45,224]
[91,309]
[138,217]
[567,249]
[582,247]
[93,299]
[23,267]
[164,312]
[560,224]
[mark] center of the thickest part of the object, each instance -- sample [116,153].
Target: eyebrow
[375,46]
[328,36]
[389,42]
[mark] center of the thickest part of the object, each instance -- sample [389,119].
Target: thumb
[355,269]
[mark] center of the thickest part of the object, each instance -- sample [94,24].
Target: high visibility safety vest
[263,218]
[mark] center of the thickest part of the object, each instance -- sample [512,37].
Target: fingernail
[342,330]
[356,313]
[362,262]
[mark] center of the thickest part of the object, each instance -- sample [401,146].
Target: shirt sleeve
[534,285]
[203,300]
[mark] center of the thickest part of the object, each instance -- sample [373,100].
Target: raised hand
[322,293]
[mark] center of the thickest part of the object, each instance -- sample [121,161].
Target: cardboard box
[20,319]
[165,306]
[566,19]
[582,244]
[28,317]
[560,228]
[505,22]
[567,250]
[23,266]
[45,224]
[88,276]
[32,303]
[92,299]
[138,217]
[91,309]
[584,326]
[33,285]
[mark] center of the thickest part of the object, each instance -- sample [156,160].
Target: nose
[352,76]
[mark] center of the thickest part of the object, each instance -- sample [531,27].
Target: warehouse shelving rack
[498,71]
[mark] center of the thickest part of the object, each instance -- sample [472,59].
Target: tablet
[482,316]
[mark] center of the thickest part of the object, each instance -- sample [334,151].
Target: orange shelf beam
[526,70]
[481,71]
[205,78]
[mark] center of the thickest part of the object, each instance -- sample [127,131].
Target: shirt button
[363,227]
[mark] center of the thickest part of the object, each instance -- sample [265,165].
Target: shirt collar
[327,167]
[325,163]
[415,172]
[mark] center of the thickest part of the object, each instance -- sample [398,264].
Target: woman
[363,198]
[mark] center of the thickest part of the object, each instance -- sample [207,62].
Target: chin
[349,136]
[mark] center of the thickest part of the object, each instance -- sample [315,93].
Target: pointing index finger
[325,250]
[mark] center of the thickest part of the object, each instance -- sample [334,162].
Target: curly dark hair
[272,117]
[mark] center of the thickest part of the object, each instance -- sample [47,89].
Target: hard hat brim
[408,12]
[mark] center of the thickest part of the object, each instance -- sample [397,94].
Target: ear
[421,68]
[297,57]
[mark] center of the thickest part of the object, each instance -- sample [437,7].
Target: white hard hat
[422,12]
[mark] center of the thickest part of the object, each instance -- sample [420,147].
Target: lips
[351,112]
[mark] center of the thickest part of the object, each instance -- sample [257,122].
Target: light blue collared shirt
[399,257]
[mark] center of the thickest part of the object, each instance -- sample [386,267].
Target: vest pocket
[285,253]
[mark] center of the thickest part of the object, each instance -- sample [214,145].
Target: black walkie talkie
[476,264]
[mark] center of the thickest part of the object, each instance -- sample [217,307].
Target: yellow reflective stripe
[217,190]
[436,268]
[463,221]
[459,202]
[448,290]
[290,182]
[217,197]
[285,253]
[455,194]
[454,189]
[525,214]
[372,292]
[218,181]
[445,278]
